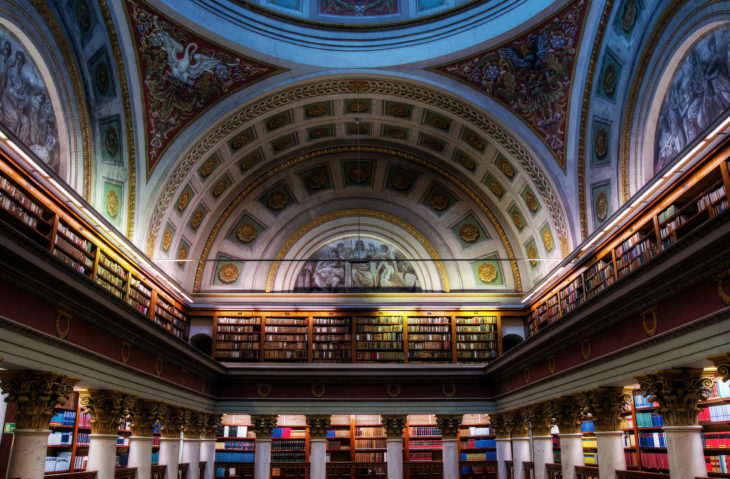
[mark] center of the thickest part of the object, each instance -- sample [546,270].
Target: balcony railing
[125,473]
[478,469]
[510,468]
[157,472]
[423,470]
[240,470]
[528,469]
[640,475]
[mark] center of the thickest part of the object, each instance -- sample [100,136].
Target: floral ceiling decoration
[531,74]
[181,75]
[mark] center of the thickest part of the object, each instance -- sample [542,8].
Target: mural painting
[25,107]
[697,96]
[357,265]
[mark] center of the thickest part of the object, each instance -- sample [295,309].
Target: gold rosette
[246,232]
[487,273]
[228,273]
[112,203]
[276,200]
[469,232]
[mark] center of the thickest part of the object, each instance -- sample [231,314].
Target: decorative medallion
[63,323]
[496,188]
[248,161]
[182,254]
[220,187]
[393,390]
[159,363]
[111,140]
[448,390]
[277,121]
[465,161]
[439,201]
[358,106]
[401,111]
[487,273]
[263,390]
[101,77]
[400,181]
[397,133]
[208,166]
[316,181]
[358,175]
[610,76]
[628,19]
[228,273]
[601,143]
[649,321]
[469,232]
[531,74]
[319,132]
[318,109]
[547,239]
[532,254]
[358,128]
[83,15]
[531,201]
[601,206]
[240,140]
[585,348]
[112,203]
[246,232]
[720,279]
[433,143]
[184,376]
[197,219]
[526,375]
[276,200]
[551,363]
[437,121]
[126,351]
[283,142]
[182,75]
[358,8]
[184,200]
[166,239]
[517,218]
[318,390]
[506,168]
[473,140]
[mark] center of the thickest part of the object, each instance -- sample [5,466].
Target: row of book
[59,438]
[370,457]
[287,432]
[589,441]
[370,443]
[278,456]
[344,433]
[63,418]
[379,356]
[429,320]
[225,456]
[424,444]
[629,440]
[74,238]
[716,439]
[718,463]
[478,328]
[233,431]
[478,444]
[645,419]
[654,439]
[58,463]
[718,413]
[711,198]
[287,321]
[420,456]
[654,460]
[477,431]
[236,445]
[369,431]
[424,431]
[590,458]
[255,320]
[288,444]
[720,389]
[478,456]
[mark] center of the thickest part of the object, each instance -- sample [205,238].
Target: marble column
[449,425]
[207,444]
[394,424]
[262,425]
[34,394]
[677,392]
[144,413]
[567,412]
[540,420]
[500,427]
[605,405]
[318,426]
[172,422]
[191,442]
[520,426]
[106,408]
[169,456]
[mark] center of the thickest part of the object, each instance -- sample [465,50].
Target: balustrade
[640,475]
[510,469]
[125,473]
[157,472]
[528,469]
[182,470]
[479,469]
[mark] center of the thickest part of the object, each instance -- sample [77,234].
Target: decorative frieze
[318,424]
[393,424]
[605,405]
[539,417]
[449,424]
[567,414]
[677,392]
[144,413]
[35,394]
[498,425]
[263,424]
[107,408]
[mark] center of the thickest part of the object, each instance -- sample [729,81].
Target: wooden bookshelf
[571,295]
[637,249]
[715,421]
[340,440]
[379,339]
[589,442]
[290,440]
[423,439]
[237,338]
[332,339]
[429,339]
[235,445]
[650,439]
[369,439]
[477,446]
[25,209]
[62,439]
[285,339]
[476,338]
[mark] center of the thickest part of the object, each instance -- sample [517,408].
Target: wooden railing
[528,469]
[510,468]
[241,470]
[553,471]
[290,470]
[73,475]
[364,470]
[423,470]
[640,475]
[586,472]
[125,473]
[478,469]
[158,472]
[182,470]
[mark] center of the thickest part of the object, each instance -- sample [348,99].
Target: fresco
[697,96]
[25,107]
[357,265]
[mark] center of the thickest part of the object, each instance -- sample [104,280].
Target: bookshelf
[429,339]
[379,339]
[572,295]
[423,439]
[235,444]
[340,438]
[285,339]
[630,431]
[139,295]
[476,338]
[290,440]
[555,433]
[652,446]
[25,209]
[74,250]
[589,442]
[332,339]
[169,314]
[111,275]
[715,421]
[125,432]
[477,446]
[599,275]
[238,338]
[530,323]
[61,441]
[637,249]
[369,439]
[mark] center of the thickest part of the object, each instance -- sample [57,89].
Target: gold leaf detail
[228,273]
[246,232]
[487,273]
[469,232]
[112,203]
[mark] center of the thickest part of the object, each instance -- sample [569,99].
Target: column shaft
[28,454]
[140,455]
[571,453]
[394,458]
[191,456]
[102,455]
[451,458]
[504,453]
[317,458]
[685,451]
[520,454]
[207,455]
[170,456]
[610,453]
[262,459]
[542,452]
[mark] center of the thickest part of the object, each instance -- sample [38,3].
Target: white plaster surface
[520,454]
[262,459]
[504,453]
[317,459]
[191,456]
[207,455]
[571,454]
[170,455]
[542,453]
[685,451]
[394,458]
[451,458]
[610,453]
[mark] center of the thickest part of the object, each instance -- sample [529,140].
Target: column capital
[567,414]
[722,363]
[519,423]
[35,394]
[263,424]
[106,408]
[318,425]
[196,424]
[393,424]
[144,413]
[605,405]
[172,421]
[677,392]
[497,421]
[449,424]
[211,426]
[539,418]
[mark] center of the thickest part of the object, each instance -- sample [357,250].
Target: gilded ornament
[282,143]
[276,200]
[263,423]
[35,394]
[240,140]
[321,132]
[246,232]
[585,348]
[438,201]
[228,273]
[184,200]
[315,181]
[358,175]
[400,181]
[551,363]
[112,203]
[609,79]
[437,121]
[487,273]
[358,107]
[393,424]
[63,322]
[248,162]
[467,162]
[396,133]
[263,390]
[506,168]
[358,129]
[496,188]
[517,217]
[219,187]
[474,142]
[83,15]
[277,122]
[449,424]
[532,254]
[720,279]
[393,390]
[601,143]
[628,19]
[399,110]
[166,239]
[101,77]
[601,206]
[159,363]
[126,351]
[531,201]
[433,143]
[182,253]
[318,424]
[547,239]
[197,219]
[317,109]
[469,232]
[448,390]
[318,390]
[208,166]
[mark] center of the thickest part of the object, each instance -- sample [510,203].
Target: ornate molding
[540,418]
[172,420]
[720,279]
[63,322]
[449,424]
[195,427]
[567,413]
[722,363]
[211,425]
[144,413]
[393,424]
[499,425]
[106,408]
[35,394]
[605,405]
[677,392]
[318,425]
[263,424]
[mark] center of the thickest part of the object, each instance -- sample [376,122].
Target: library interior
[349,239]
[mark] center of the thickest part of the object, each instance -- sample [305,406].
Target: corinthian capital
[106,408]
[393,424]
[449,424]
[318,424]
[677,392]
[263,424]
[35,394]
[567,413]
[144,413]
[605,405]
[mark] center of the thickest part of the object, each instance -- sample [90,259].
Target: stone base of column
[685,451]
[611,456]
[571,454]
[28,453]
[520,454]
[102,455]
[504,453]
[262,459]
[318,459]
[140,455]
[542,453]
[207,455]
[394,458]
